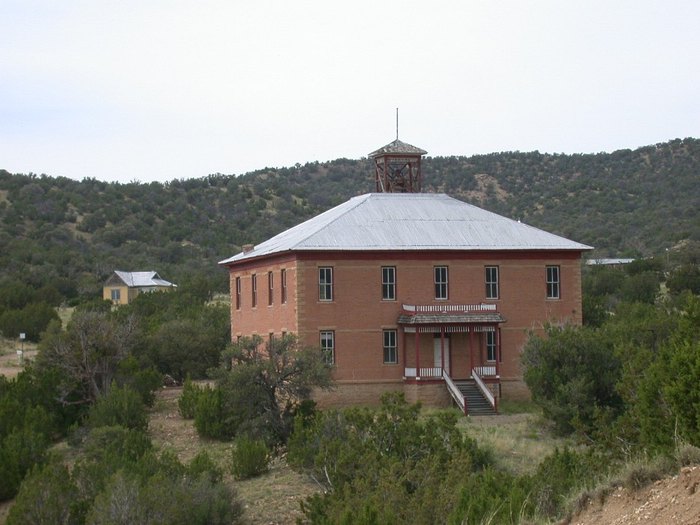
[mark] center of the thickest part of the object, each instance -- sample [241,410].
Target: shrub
[46,496]
[19,451]
[249,458]
[122,406]
[208,418]
[187,402]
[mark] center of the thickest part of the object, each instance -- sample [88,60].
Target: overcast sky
[163,89]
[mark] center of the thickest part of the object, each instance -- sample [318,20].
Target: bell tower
[397,166]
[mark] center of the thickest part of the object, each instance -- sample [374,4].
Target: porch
[458,344]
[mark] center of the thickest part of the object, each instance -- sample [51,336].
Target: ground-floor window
[116,295]
[490,346]
[390,351]
[328,346]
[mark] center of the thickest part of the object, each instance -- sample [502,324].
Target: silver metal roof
[408,222]
[139,279]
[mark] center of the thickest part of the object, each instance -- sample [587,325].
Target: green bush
[19,452]
[249,458]
[208,419]
[121,406]
[47,496]
[187,402]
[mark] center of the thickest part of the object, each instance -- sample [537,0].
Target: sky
[156,90]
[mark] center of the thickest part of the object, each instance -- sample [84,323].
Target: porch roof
[440,318]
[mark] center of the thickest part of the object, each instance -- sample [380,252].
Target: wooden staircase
[477,405]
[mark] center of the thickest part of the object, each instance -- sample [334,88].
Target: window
[254,290]
[328,346]
[270,287]
[491,282]
[553,291]
[116,295]
[388,283]
[491,346]
[238,293]
[283,280]
[325,284]
[390,353]
[441,282]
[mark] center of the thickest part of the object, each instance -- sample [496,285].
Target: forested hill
[72,235]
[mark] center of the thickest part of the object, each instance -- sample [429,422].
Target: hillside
[72,234]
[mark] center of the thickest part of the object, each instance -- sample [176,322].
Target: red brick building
[410,291]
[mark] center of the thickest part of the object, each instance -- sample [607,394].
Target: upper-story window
[441,290]
[491,282]
[388,283]
[238,293]
[270,288]
[254,290]
[325,283]
[328,346]
[283,285]
[390,353]
[553,282]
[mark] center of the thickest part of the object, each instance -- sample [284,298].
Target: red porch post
[417,356]
[442,349]
[471,350]
[498,350]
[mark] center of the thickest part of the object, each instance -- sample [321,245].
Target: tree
[572,374]
[262,385]
[87,354]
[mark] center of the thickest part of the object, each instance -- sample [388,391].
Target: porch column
[442,349]
[403,350]
[417,356]
[471,350]
[498,350]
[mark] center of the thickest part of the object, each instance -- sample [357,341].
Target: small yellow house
[123,287]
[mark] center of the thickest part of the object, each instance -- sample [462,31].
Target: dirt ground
[9,360]
[674,500]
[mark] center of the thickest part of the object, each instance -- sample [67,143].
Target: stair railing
[484,390]
[455,393]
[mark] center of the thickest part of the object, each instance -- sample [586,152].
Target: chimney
[247,248]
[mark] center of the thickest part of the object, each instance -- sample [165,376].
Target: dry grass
[519,441]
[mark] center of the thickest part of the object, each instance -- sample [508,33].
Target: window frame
[270,288]
[388,349]
[283,286]
[238,293]
[115,294]
[442,290]
[493,288]
[553,282]
[325,284]
[327,344]
[388,283]
[254,290]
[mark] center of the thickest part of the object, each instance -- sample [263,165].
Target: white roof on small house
[408,222]
[142,279]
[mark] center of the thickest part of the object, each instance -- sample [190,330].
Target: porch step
[477,405]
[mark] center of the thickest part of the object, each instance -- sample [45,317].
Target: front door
[437,346]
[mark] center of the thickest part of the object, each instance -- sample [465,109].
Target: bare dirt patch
[10,364]
[270,499]
[674,500]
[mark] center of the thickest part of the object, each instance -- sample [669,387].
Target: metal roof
[140,279]
[408,222]
[397,148]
